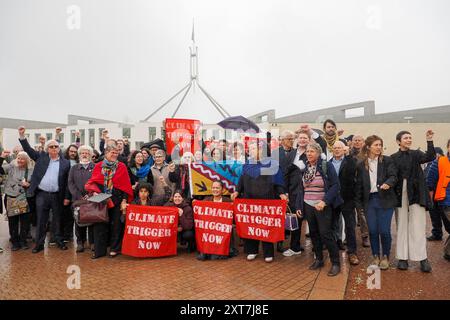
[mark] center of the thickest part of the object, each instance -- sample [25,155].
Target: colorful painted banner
[260,219]
[182,135]
[202,175]
[150,231]
[213,226]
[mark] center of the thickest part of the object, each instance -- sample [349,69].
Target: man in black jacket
[49,184]
[412,200]
[345,167]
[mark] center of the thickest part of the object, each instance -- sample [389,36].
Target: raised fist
[21,131]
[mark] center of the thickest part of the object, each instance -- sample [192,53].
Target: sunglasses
[53,147]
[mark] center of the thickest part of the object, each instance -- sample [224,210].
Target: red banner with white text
[213,226]
[260,219]
[183,135]
[150,231]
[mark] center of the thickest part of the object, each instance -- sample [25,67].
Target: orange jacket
[444,178]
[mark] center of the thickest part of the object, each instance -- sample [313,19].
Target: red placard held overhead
[182,135]
[260,219]
[150,231]
[213,226]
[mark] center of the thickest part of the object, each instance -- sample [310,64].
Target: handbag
[291,222]
[16,206]
[91,212]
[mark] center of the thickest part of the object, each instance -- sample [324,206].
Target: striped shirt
[314,191]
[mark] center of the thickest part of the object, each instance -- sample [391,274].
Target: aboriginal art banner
[150,231]
[213,226]
[202,175]
[260,219]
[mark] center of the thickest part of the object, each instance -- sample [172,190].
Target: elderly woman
[185,221]
[161,169]
[318,193]
[259,180]
[19,173]
[79,174]
[110,176]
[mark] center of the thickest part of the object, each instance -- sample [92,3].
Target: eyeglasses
[53,147]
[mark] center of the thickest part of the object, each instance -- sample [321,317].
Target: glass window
[72,136]
[139,144]
[100,130]
[48,136]
[151,133]
[126,133]
[82,136]
[61,137]
[36,138]
[92,137]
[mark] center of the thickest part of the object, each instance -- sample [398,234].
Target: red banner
[150,231]
[213,226]
[260,219]
[184,134]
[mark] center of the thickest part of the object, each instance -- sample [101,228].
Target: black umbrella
[238,122]
[157,141]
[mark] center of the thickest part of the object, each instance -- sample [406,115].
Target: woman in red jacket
[110,176]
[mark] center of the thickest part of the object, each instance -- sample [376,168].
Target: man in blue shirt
[49,185]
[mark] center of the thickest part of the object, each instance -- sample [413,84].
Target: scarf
[309,174]
[330,141]
[142,172]
[108,171]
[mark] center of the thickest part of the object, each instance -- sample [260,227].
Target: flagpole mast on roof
[193,62]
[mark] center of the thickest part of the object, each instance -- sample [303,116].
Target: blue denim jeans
[379,223]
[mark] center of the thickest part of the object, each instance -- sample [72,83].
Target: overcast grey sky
[291,55]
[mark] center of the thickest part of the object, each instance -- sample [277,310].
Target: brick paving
[43,276]
[404,285]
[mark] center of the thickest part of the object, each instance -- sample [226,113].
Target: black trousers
[109,233]
[437,220]
[84,233]
[46,201]
[320,231]
[187,236]
[347,209]
[295,237]
[252,247]
[67,222]
[19,227]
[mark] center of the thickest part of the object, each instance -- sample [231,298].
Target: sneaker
[384,264]
[268,259]
[52,243]
[201,256]
[425,266]
[434,238]
[334,271]
[375,261]
[353,258]
[251,257]
[25,246]
[365,242]
[80,247]
[402,265]
[290,253]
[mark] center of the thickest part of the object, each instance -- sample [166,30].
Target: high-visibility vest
[444,178]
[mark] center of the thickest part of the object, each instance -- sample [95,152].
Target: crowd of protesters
[332,184]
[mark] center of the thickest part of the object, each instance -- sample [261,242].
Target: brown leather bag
[91,212]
